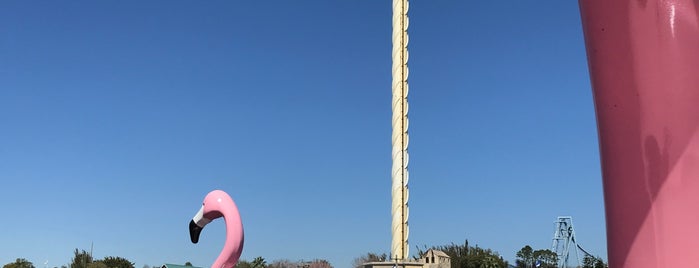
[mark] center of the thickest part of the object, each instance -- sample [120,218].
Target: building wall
[435,260]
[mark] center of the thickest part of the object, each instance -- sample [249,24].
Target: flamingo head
[216,204]
[219,204]
[206,214]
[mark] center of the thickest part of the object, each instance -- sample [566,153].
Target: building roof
[434,252]
[170,265]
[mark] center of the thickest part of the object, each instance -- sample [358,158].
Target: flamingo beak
[197,224]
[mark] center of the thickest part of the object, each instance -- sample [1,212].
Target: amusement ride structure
[565,243]
[399,138]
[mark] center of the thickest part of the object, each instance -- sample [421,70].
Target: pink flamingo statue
[643,58]
[219,204]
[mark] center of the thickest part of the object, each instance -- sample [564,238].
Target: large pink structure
[218,204]
[644,66]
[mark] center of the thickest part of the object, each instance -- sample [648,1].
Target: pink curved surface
[644,67]
[219,204]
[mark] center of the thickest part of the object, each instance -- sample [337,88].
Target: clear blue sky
[116,118]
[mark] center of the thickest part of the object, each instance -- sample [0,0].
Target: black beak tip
[194,231]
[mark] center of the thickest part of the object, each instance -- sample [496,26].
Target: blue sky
[116,118]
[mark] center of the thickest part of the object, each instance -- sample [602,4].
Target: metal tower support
[399,171]
[564,242]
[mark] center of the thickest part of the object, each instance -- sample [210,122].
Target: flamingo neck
[233,246]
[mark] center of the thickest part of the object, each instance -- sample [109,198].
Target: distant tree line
[260,262]
[593,262]
[369,257]
[461,255]
[19,263]
[467,256]
[544,258]
[527,257]
[81,259]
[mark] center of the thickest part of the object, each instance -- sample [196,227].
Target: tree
[117,262]
[600,263]
[546,258]
[19,263]
[319,263]
[465,256]
[284,264]
[482,258]
[243,264]
[97,264]
[259,262]
[80,259]
[525,257]
[593,262]
[369,257]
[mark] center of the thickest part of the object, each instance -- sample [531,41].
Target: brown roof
[434,252]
